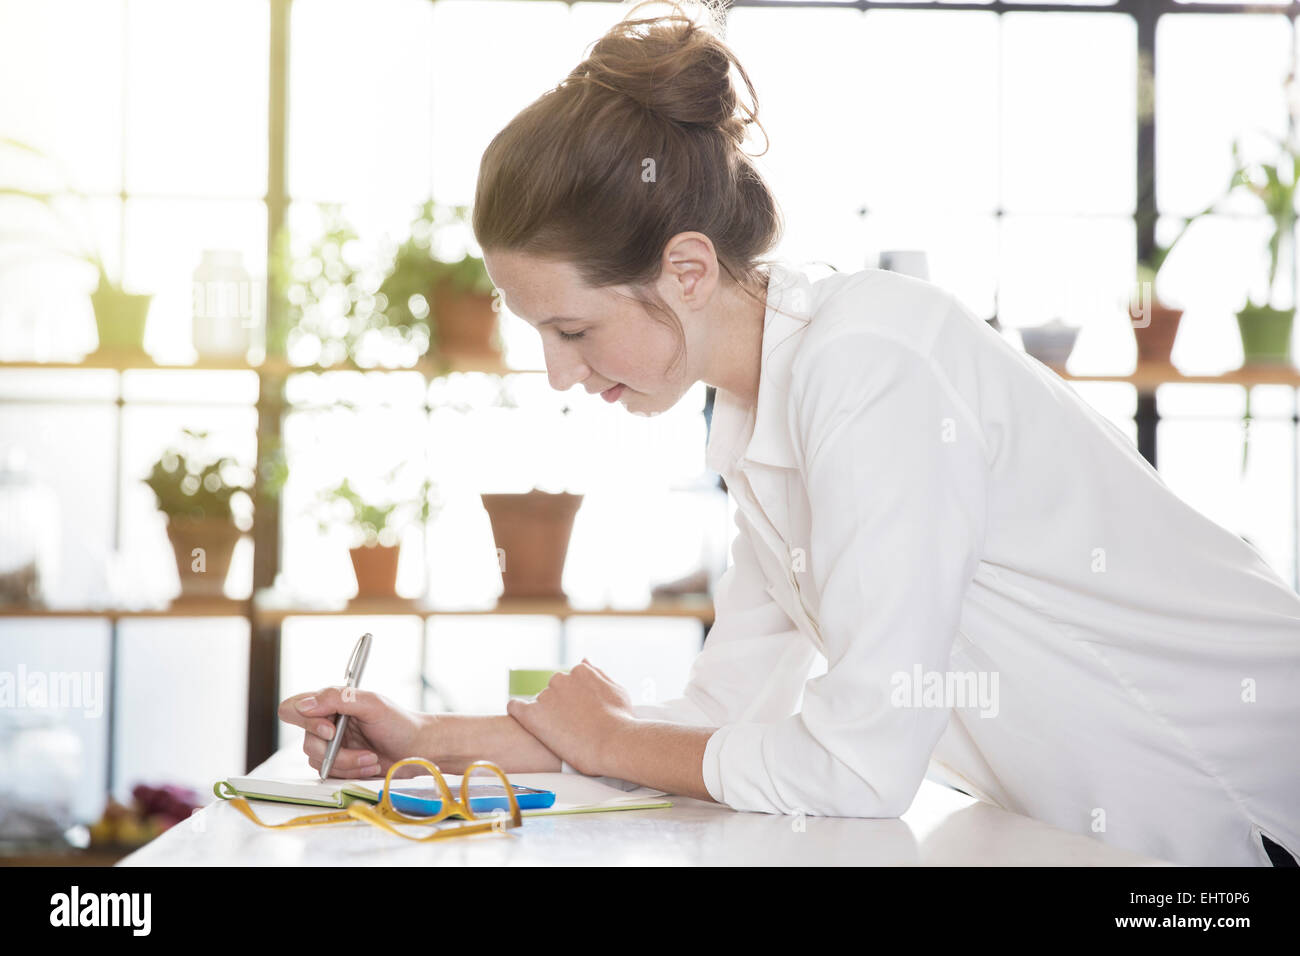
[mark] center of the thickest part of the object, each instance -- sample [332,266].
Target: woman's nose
[564,367]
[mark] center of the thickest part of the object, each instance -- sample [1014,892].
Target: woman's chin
[646,404]
[639,412]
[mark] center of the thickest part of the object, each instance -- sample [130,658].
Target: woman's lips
[611,394]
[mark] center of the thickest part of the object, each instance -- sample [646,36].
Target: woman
[1005,594]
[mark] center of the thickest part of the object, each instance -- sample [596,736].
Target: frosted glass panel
[1201,462]
[197,96]
[71,103]
[361,86]
[182,703]
[31,383]
[1208,402]
[70,449]
[508,69]
[1204,101]
[812,161]
[928,107]
[1200,446]
[72,656]
[1069,94]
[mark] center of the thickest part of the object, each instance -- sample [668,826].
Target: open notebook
[574,793]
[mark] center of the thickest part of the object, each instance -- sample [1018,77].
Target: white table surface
[942,828]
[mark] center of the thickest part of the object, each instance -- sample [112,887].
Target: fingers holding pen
[348,762]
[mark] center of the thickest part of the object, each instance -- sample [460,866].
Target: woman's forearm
[653,753]
[453,741]
[662,755]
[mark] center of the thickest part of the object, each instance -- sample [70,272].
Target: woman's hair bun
[643,142]
[674,66]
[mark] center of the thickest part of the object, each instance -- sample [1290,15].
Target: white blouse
[1006,596]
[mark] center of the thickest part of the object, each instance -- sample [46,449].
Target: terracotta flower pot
[1155,343]
[466,322]
[376,570]
[203,547]
[532,533]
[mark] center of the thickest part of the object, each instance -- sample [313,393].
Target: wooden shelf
[1150,376]
[92,856]
[1144,376]
[123,363]
[205,607]
[361,607]
[272,367]
[698,607]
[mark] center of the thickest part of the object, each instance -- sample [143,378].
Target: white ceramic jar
[224,305]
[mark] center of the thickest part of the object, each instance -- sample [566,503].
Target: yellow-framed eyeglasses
[384,815]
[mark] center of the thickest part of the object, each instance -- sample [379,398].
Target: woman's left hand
[578,716]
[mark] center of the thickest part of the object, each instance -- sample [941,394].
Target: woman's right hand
[379,732]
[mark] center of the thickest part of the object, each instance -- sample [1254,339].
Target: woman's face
[599,339]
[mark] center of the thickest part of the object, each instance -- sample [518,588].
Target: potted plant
[120,316]
[346,302]
[531,530]
[376,523]
[1266,330]
[195,491]
[455,295]
[1155,324]
[335,311]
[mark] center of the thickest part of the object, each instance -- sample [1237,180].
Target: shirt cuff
[734,769]
[713,763]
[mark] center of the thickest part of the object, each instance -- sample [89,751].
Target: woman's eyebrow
[557,318]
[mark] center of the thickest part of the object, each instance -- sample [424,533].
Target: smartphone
[426,799]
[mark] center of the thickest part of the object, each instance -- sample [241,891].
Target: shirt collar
[789,305]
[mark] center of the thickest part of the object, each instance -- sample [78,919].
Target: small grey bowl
[1052,343]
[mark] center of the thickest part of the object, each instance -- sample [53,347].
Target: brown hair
[566,179]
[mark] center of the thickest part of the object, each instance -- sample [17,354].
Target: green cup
[529,683]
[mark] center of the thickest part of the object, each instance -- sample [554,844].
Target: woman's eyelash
[569,336]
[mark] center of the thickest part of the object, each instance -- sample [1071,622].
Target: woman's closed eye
[570,336]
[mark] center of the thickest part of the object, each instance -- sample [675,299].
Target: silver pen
[356,664]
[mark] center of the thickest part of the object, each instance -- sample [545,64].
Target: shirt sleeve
[896,472]
[755,660]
